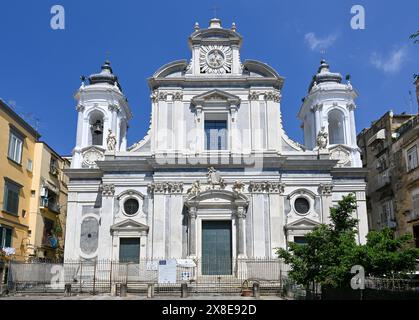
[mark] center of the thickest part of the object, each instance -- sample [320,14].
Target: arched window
[96,129]
[336,127]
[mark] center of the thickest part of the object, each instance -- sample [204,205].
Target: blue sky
[40,67]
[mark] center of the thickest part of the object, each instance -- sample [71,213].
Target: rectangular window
[11,197]
[412,158]
[15,147]
[387,214]
[5,237]
[300,240]
[29,166]
[216,134]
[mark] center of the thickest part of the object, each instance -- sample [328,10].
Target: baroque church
[215,177]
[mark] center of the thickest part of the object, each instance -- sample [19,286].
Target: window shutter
[8,240]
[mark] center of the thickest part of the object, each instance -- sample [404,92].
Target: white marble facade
[162,190]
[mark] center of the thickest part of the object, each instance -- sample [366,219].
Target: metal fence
[106,276]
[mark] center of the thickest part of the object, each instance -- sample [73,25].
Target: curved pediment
[261,68]
[218,34]
[130,192]
[216,96]
[171,68]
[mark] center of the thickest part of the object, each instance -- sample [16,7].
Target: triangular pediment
[302,224]
[216,96]
[128,225]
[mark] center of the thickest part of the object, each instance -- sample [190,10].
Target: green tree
[331,251]
[385,255]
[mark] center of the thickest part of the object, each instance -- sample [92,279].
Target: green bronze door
[216,248]
[129,250]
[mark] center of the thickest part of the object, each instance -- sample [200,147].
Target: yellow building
[48,204]
[17,146]
[33,190]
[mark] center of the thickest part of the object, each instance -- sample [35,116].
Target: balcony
[383,179]
[50,204]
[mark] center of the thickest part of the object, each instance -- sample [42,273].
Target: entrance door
[216,248]
[129,250]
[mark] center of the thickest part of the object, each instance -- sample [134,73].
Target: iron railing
[103,276]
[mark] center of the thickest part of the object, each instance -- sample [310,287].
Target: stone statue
[238,186]
[111,141]
[195,189]
[214,179]
[322,138]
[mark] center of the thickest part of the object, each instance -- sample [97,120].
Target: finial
[196,27]
[233,27]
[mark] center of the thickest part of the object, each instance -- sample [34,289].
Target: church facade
[215,177]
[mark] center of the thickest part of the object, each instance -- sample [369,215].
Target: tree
[331,251]
[385,255]
[328,255]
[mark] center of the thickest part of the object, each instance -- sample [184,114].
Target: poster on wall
[167,271]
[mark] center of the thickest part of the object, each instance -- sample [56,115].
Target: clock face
[215,59]
[91,156]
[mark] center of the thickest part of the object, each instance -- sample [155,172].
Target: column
[80,110]
[241,246]
[325,191]
[192,232]
[362,216]
[352,126]
[105,244]
[235,139]
[318,120]
[200,130]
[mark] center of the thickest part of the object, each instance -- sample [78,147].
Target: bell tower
[103,112]
[329,108]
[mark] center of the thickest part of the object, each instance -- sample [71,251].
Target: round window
[302,206]
[131,206]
